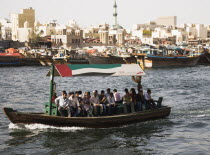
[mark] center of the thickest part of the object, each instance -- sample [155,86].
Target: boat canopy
[68,70]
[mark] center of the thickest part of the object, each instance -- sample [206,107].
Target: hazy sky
[91,12]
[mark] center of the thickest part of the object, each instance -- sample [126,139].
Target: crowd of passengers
[104,103]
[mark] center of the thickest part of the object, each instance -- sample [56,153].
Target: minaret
[115,13]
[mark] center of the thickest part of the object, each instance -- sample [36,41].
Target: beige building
[24,34]
[67,38]
[180,34]
[104,36]
[167,21]
[162,33]
[18,21]
[113,36]
[95,31]
[6,30]
[46,30]
[116,37]
[196,31]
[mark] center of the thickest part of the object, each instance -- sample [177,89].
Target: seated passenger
[133,95]
[95,101]
[149,101]
[103,101]
[87,105]
[54,96]
[127,102]
[140,100]
[111,104]
[117,97]
[63,104]
[108,91]
[74,104]
[80,99]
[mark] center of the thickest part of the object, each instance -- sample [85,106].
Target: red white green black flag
[68,70]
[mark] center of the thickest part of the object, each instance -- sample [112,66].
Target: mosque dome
[116,27]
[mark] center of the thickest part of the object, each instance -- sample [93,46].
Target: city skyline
[95,12]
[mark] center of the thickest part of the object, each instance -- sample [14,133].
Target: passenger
[117,98]
[103,101]
[111,104]
[108,91]
[149,101]
[95,101]
[140,100]
[133,95]
[87,105]
[63,104]
[97,93]
[127,102]
[79,95]
[74,104]
[54,96]
[80,99]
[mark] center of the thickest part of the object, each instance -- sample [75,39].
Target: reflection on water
[185,131]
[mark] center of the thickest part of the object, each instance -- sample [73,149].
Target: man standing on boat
[63,104]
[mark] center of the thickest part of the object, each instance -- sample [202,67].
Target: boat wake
[42,127]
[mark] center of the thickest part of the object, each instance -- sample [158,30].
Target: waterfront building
[180,34]
[113,35]
[195,31]
[162,33]
[144,30]
[24,34]
[151,25]
[6,29]
[18,21]
[208,32]
[93,32]
[46,30]
[167,21]
[104,36]
[67,38]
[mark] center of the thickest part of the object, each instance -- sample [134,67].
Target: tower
[115,13]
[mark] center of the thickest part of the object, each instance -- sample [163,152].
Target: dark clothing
[140,98]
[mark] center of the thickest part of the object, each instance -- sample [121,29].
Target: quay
[146,56]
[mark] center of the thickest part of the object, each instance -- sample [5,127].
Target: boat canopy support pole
[51,88]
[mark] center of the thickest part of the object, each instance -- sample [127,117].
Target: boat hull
[204,59]
[89,122]
[173,61]
[111,60]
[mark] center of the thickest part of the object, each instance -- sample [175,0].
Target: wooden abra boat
[50,117]
[172,61]
[90,122]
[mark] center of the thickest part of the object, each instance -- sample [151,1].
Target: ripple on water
[196,125]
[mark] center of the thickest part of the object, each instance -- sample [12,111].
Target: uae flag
[68,70]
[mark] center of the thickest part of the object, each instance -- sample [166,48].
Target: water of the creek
[185,131]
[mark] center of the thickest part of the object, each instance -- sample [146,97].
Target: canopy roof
[68,70]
